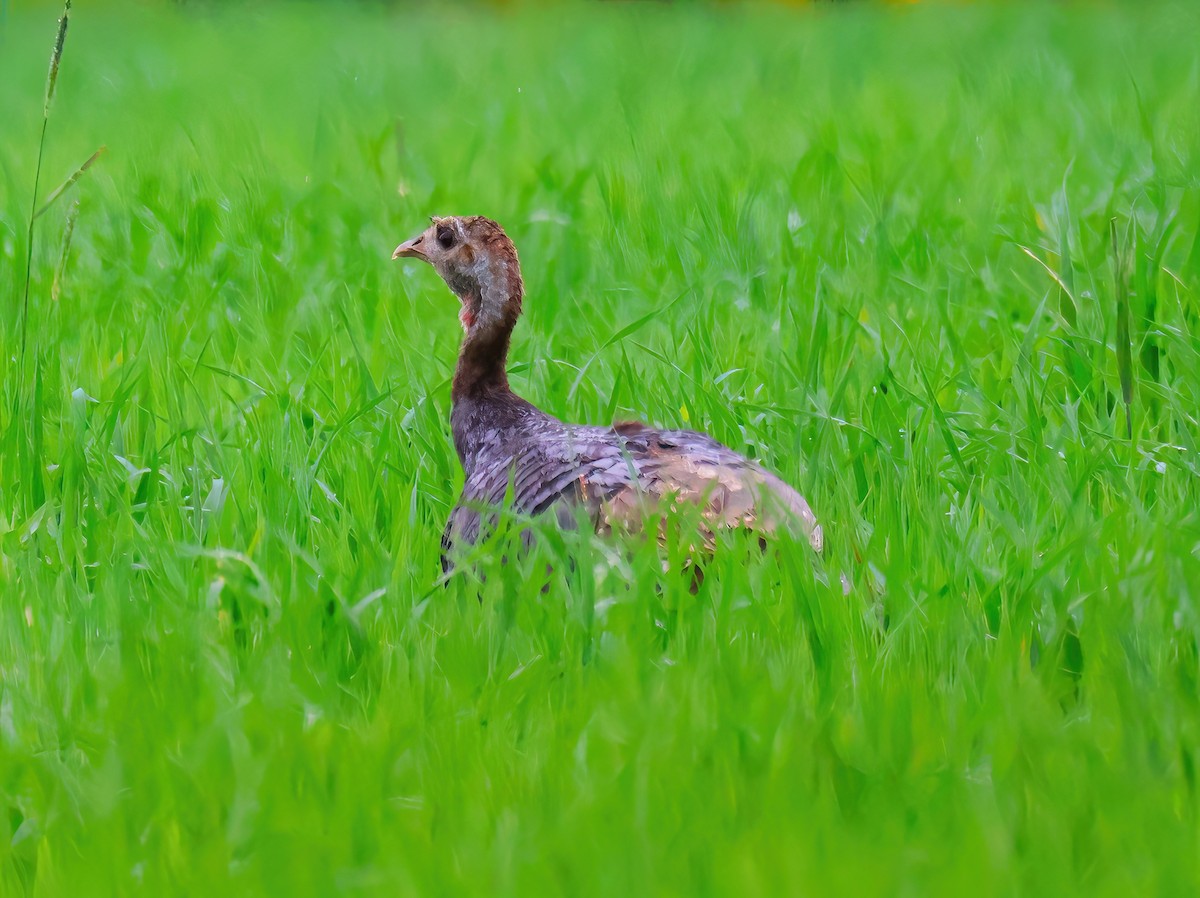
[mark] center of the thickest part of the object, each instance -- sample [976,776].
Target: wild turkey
[618,474]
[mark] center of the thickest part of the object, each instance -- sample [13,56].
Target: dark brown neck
[483,358]
[482,364]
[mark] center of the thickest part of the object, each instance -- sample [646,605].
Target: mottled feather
[621,475]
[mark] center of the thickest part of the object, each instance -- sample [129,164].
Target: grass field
[870,245]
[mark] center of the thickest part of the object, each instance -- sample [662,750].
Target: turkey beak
[411,249]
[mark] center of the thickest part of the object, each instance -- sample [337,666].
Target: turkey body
[619,475]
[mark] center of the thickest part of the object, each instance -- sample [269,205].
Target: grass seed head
[56,57]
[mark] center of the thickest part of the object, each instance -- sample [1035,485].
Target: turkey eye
[445,238]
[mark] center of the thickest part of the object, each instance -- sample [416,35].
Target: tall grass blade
[1149,265]
[1192,263]
[1124,352]
[1076,361]
[1066,269]
[29,246]
[34,475]
[1146,266]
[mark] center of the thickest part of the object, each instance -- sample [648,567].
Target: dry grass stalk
[69,183]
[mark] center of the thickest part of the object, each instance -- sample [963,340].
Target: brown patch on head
[629,428]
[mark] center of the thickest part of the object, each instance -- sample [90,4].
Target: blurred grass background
[869,244]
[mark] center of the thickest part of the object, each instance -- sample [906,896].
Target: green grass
[870,245]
